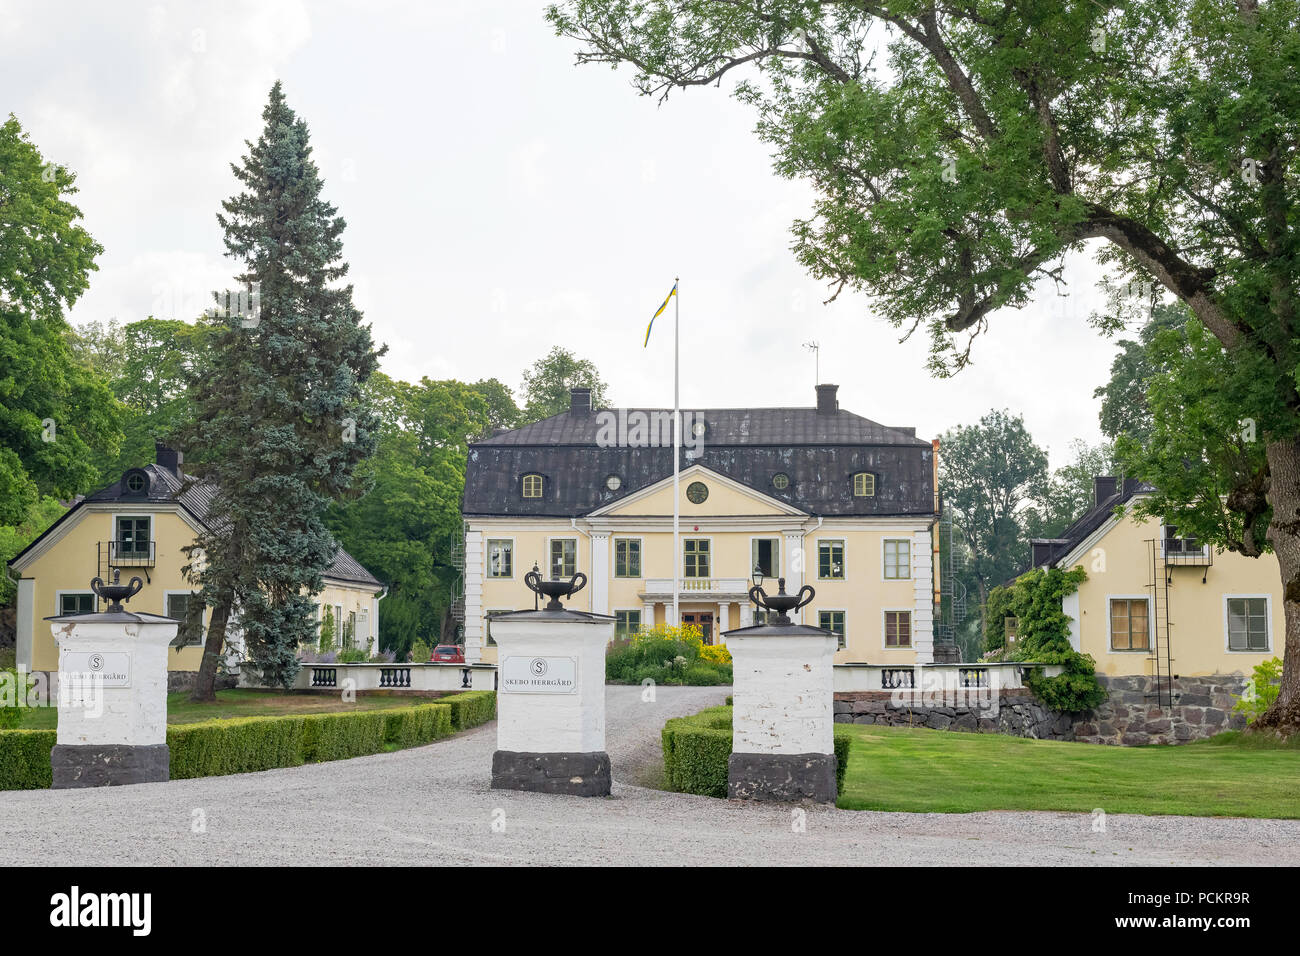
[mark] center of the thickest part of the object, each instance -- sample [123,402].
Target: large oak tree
[993,139]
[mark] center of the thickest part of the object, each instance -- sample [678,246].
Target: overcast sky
[499,200]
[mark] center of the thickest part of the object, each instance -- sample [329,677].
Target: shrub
[715,654]
[25,759]
[340,736]
[471,708]
[667,655]
[700,676]
[326,642]
[352,656]
[412,726]
[214,748]
[697,750]
[420,652]
[1260,692]
[15,688]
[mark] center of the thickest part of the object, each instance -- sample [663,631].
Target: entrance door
[704,621]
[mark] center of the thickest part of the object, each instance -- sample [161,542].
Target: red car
[447,654]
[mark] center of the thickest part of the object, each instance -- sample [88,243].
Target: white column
[474,573]
[795,563]
[746,614]
[25,623]
[600,572]
[923,594]
[647,614]
[724,620]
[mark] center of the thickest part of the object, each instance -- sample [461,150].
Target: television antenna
[816,350]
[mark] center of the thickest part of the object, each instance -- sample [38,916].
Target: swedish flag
[658,312]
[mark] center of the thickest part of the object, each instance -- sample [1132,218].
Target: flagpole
[677,445]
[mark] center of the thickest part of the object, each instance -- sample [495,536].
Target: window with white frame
[833,621]
[1248,624]
[501,558]
[564,558]
[898,559]
[627,557]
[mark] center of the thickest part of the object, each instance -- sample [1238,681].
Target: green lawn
[898,768]
[243,702]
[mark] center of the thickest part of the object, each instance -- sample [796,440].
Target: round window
[698,429]
[780,481]
[696,492]
[135,482]
[613,482]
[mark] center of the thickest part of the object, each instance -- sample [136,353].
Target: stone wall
[1202,707]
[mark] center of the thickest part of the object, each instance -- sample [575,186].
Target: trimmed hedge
[471,708]
[697,748]
[25,759]
[215,748]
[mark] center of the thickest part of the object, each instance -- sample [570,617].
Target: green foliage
[471,708]
[237,745]
[13,538]
[25,759]
[1043,630]
[547,383]
[1124,406]
[412,726]
[1070,491]
[15,689]
[352,655]
[340,736]
[1261,690]
[665,655]
[278,405]
[46,258]
[325,642]
[697,748]
[1205,448]
[420,652]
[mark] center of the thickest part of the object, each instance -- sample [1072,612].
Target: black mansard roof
[819,449]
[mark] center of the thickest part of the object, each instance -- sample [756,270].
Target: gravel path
[432,805]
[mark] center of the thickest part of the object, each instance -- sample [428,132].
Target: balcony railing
[698,585]
[126,554]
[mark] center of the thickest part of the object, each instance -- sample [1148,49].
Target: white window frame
[613,557]
[836,610]
[487,558]
[777,571]
[883,542]
[844,550]
[1151,625]
[911,628]
[1268,617]
[577,555]
[337,643]
[58,599]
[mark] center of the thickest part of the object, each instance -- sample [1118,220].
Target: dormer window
[532,486]
[136,482]
[864,485]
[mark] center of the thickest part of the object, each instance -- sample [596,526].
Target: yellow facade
[729,520]
[75,551]
[1119,562]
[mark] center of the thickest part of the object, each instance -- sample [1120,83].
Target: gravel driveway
[432,805]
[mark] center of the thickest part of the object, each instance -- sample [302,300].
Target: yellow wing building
[140,526]
[1161,605]
[817,495]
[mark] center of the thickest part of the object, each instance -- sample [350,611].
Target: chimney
[1103,487]
[827,403]
[580,401]
[168,458]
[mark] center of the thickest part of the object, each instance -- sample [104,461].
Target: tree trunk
[1284,535]
[984,617]
[205,684]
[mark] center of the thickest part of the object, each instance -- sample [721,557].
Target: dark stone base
[108,765]
[577,774]
[783,777]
